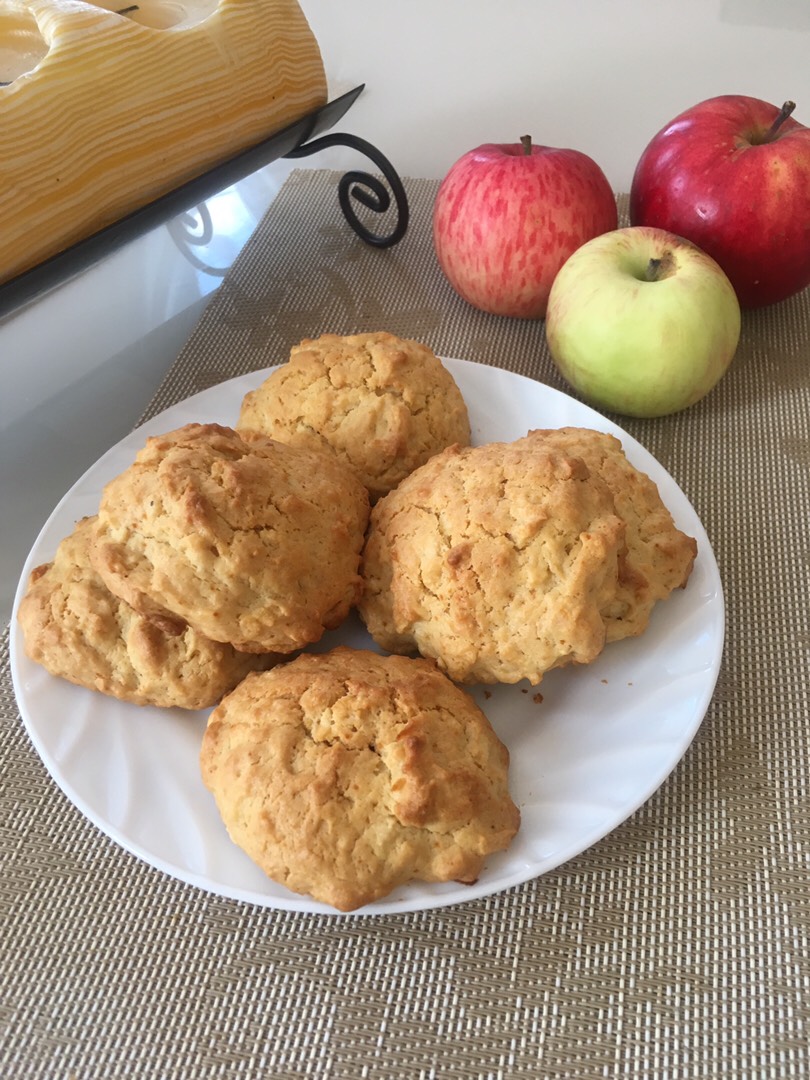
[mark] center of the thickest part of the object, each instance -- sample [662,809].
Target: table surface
[677,946]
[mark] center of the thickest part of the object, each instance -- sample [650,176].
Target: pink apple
[732,175]
[508,216]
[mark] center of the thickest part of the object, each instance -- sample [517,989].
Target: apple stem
[784,113]
[526,140]
[658,269]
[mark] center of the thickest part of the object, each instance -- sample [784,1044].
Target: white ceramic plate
[599,743]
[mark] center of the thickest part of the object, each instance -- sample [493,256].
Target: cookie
[76,629]
[659,557]
[383,404]
[347,774]
[252,543]
[496,560]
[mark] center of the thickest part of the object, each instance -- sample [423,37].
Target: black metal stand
[364,187]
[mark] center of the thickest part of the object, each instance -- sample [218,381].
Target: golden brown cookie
[383,404]
[497,561]
[659,557]
[79,631]
[347,774]
[253,543]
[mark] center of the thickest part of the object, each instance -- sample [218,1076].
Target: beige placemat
[676,947]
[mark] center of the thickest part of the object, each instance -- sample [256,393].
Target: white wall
[443,76]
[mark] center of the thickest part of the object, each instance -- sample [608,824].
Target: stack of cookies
[209,556]
[349,481]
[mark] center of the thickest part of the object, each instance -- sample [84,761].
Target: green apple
[642,322]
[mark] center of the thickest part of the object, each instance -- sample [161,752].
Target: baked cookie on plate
[497,561]
[383,404]
[251,542]
[346,774]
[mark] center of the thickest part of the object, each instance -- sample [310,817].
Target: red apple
[732,175]
[508,216]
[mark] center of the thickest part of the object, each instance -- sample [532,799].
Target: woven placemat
[676,947]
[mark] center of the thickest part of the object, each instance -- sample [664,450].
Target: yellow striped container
[105,107]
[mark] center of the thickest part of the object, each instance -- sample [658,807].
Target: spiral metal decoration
[365,188]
